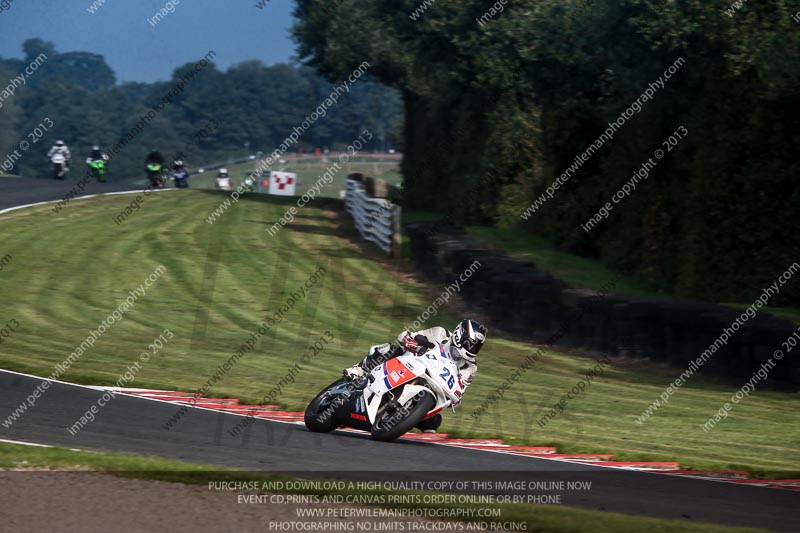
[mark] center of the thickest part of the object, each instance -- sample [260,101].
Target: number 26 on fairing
[447,376]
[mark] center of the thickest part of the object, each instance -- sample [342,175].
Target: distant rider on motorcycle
[97,154]
[59,155]
[462,346]
[98,163]
[60,148]
[223,181]
[179,174]
[154,166]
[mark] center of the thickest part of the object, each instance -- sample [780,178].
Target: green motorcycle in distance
[98,169]
[155,173]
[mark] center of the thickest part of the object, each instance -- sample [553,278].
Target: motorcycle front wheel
[319,416]
[395,421]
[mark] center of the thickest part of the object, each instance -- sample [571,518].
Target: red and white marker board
[282,183]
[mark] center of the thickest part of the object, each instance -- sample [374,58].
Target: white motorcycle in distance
[390,400]
[60,168]
[224,184]
[223,181]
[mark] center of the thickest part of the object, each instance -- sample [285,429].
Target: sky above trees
[139,51]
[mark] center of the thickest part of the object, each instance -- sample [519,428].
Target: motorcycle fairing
[438,371]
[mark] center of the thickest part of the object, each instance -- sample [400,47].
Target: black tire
[416,412]
[315,417]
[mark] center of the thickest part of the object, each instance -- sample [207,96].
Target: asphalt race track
[14,192]
[134,424]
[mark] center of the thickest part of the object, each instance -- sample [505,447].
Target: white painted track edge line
[15,208]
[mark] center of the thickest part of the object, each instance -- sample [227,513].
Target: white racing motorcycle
[390,400]
[60,168]
[223,184]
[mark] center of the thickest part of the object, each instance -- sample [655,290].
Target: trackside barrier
[377,220]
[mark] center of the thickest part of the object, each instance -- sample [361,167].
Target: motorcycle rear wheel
[384,429]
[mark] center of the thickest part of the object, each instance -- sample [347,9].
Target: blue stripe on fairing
[386,377]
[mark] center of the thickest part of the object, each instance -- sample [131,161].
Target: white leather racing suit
[63,150]
[466,369]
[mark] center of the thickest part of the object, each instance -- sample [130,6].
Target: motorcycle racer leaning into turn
[462,345]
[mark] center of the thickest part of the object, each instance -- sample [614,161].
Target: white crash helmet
[467,339]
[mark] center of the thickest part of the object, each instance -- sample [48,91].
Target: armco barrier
[522,300]
[377,220]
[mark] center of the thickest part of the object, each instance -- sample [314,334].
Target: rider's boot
[430,425]
[354,372]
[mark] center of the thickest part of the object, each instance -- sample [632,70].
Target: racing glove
[418,345]
[423,342]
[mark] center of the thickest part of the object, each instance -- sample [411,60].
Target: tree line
[253,108]
[503,102]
